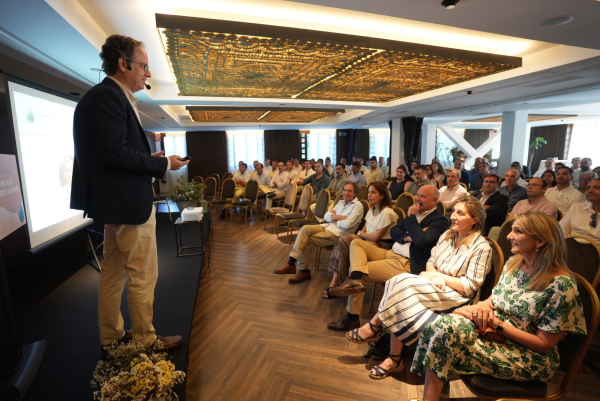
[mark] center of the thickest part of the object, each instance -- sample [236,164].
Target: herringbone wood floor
[256,337]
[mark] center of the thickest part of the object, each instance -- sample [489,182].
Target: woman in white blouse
[455,271]
[378,222]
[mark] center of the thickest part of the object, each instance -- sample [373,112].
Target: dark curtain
[476,137]
[282,144]
[355,142]
[208,150]
[341,148]
[412,138]
[556,135]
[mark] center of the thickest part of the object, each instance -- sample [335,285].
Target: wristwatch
[500,326]
[358,234]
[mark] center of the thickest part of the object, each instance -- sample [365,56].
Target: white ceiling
[560,73]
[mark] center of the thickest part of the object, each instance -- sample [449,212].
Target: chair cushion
[275,210]
[304,222]
[490,386]
[290,216]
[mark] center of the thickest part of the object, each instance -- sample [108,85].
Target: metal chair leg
[372,297]
[318,260]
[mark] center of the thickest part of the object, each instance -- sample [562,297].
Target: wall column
[397,144]
[514,139]
[428,137]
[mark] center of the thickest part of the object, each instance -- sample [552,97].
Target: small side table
[178,240]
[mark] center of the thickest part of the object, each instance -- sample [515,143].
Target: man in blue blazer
[112,184]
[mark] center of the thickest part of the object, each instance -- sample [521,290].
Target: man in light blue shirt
[356,176]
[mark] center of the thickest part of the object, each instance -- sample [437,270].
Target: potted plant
[537,143]
[186,194]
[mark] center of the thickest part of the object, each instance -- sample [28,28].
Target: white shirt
[294,174]
[404,249]
[267,169]
[330,169]
[263,179]
[521,182]
[298,169]
[363,169]
[386,218]
[373,175]
[384,170]
[449,196]
[239,176]
[282,180]
[576,173]
[564,198]
[306,173]
[577,221]
[353,211]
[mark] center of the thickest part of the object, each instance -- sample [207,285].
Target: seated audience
[274,165]
[385,170]
[325,171]
[278,185]
[329,167]
[451,193]
[582,218]
[253,172]
[575,163]
[307,171]
[439,173]
[356,176]
[414,237]
[584,179]
[297,165]
[378,223]
[512,190]
[317,181]
[538,280]
[536,202]
[413,166]
[267,168]
[342,220]
[477,181]
[430,176]
[465,177]
[338,181]
[262,178]
[346,166]
[550,178]
[475,170]
[421,179]
[455,272]
[373,174]
[517,167]
[495,204]
[584,166]
[398,184]
[241,178]
[563,195]
[292,172]
[362,164]
[548,165]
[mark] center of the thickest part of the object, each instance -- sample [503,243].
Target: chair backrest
[559,216]
[491,279]
[322,203]
[366,208]
[305,198]
[573,347]
[198,179]
[388,178]
[400,213]
[464,185]
[226,175]
[251,192]
[337,199]
[502,241]
[211,186]
[404,201]
[583,257]
[216,177]
[363,191]
[290,197]
[441,207]
[228,189]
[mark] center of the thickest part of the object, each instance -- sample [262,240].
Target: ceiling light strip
[263,116]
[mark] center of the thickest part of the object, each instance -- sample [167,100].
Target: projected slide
[43,125]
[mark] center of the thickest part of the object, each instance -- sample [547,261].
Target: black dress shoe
[348,287]
[344,324]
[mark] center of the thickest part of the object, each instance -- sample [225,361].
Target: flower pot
[183,205]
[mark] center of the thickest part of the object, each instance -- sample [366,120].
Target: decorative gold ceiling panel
[223,114]
[233,59]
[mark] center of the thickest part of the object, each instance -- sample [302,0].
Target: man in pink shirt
[536,202]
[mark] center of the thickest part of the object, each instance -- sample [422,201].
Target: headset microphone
[147,86]
[128,67]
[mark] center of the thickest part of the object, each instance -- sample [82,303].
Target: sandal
[382,373]
[357,339]
[327,294]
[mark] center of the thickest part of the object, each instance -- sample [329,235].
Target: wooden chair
[572,350]
[504,244]
[405,201]
[388,178]
[441,207]
[559,216]
[289,203]
[198,179]
[217,178]
[491,279]
[363,191]
[366,208]
[302,210]
[227,194]
[211,188]
[464,185]
[227,175]
[583,257]
[161,199]
[337,199]
[400,213]
[250,199]
[320,210]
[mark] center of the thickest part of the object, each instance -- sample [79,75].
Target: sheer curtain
[245,146]
[322,143]
[379,143]
[585,140]
[175,145]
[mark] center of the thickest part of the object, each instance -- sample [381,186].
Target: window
[175,145]
[321,143]
[379,143]
[245,146]
[585,140]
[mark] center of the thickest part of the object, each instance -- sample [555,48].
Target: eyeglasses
[593,222]
[145,66]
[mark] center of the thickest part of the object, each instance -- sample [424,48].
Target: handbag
[488,333]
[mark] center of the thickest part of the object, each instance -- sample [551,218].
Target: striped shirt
[471,262]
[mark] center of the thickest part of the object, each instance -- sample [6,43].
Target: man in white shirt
[267,167]
[385,170]
[328,166]
[563,195]
[241,178]
[451,193]
[297,165]
[308,171]
[549,165]
[262,178]
[373,174]
[584,166]
[356,176]
[583,218]
[575,163]
[362,164]
[292,172]
[278,185]
[342,220]
[255,164]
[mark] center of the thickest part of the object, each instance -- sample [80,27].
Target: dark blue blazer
[422,241]
[113,168]
[496,214]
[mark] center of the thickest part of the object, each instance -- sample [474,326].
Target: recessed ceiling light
[557,21]
[95,69]
[449,4]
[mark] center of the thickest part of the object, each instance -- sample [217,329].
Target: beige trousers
[379,264]
[315,235]
[279,193]
[129,252]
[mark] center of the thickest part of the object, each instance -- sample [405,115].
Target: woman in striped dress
[455,271]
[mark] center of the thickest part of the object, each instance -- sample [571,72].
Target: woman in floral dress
[535,303]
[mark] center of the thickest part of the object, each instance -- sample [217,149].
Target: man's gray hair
[354,186]
[590,174]
[453,170]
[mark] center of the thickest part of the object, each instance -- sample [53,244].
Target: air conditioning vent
[552,82]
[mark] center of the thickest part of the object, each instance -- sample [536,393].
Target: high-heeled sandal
[327,295]
[382,373]
[353,335]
